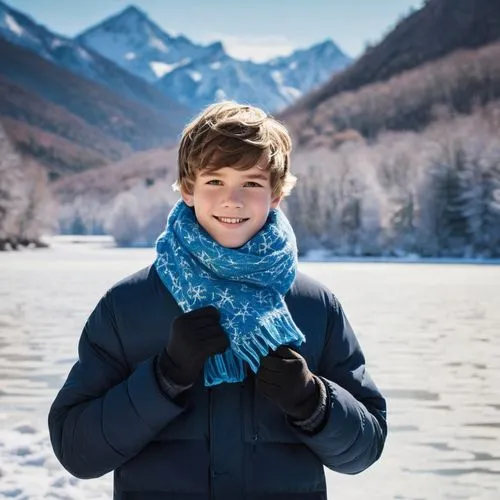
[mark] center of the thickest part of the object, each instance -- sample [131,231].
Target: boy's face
[232,205]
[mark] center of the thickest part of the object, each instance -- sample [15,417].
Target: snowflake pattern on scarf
[246,284]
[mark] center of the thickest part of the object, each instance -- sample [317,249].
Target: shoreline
[316,255]
[410,259]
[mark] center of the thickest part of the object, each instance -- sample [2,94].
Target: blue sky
[259,29]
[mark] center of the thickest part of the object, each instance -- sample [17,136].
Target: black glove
[284,377]
[194,337]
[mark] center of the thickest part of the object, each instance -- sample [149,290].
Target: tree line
[430,194]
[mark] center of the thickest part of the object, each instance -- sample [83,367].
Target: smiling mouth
[230,220]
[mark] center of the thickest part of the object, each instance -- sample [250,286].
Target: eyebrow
[260,176]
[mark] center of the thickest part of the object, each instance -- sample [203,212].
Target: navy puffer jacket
[220,443]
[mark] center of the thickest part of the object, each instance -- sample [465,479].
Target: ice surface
[429,333]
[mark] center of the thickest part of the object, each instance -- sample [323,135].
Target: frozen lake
[430,333]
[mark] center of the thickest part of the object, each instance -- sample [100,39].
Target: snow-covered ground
[429,332]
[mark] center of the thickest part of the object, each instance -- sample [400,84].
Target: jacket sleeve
[105,413]
[353,433]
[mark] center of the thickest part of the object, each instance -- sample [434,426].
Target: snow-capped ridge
[131,31]
[272,85]
[21,30]
[189,73]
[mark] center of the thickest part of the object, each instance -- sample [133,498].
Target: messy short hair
[228,134]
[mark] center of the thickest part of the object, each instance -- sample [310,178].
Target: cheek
[262,202]
[258,194]
[204,198]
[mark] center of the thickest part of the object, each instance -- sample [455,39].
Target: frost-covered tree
[481,199]
[84,215]
[160,200]
[137,217]
[349,189]
[124,220]
[11,189]
[37,213]
[397,161]
[311,206]
[25,201]
[433,193]
[443,214]
[459,197]
[333,205]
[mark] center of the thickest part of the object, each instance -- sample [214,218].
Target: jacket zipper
[255,434]
[210,447]
[248,428]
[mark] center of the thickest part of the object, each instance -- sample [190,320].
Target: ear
[188,198]
[275,202]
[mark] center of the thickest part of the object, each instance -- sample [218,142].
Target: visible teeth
[230,221]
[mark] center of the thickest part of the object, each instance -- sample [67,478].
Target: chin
[231,244]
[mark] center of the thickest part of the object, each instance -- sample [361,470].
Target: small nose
[233,198]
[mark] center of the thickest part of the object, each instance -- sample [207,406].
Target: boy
[220,372]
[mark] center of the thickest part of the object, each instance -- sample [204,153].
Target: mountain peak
[132,11]
[326,43]
[130,19]
[216,49]
[135,42]
[326,46]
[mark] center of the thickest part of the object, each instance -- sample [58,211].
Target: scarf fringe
[230,365]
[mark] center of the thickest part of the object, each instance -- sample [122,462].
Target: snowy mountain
[272,85]
[21,30]
[308,68]
[219,76]
[138,45]
[196,75]
[133,56]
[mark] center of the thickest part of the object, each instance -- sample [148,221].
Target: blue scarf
[246,284]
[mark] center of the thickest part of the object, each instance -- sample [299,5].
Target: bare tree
[37,214]
[11,191]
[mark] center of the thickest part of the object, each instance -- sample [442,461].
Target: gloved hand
[194,337]
[284,377]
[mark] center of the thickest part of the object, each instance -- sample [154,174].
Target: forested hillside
[439,28]
[68,123]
